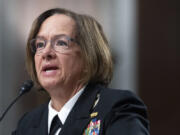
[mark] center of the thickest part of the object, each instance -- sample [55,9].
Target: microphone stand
[26,87]
[12,103]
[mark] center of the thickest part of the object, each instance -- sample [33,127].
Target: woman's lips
[49,70]
[49,67]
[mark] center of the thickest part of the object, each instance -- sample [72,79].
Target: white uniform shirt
[64,112]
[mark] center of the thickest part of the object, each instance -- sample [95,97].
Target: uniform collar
[64,112]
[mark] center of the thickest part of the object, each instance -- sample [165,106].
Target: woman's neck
[62,95]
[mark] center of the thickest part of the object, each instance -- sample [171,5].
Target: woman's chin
[49,85]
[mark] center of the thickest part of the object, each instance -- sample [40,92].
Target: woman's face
[56,69]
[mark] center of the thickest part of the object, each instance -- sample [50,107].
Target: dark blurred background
[159,64]
[143,38]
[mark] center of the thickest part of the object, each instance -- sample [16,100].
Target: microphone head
[26,86]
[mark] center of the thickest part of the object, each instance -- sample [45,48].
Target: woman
[68,56]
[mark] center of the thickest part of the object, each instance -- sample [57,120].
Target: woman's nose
[48,51]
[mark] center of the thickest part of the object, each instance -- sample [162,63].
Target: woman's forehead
[57,24]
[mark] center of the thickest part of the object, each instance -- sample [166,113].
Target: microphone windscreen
[26,86]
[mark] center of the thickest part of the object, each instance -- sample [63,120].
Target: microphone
[26,87]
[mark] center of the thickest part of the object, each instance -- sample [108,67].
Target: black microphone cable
[26,87]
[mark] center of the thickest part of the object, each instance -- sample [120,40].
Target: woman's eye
[61,43]
[39,45]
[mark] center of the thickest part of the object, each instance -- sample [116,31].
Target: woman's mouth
[49,70]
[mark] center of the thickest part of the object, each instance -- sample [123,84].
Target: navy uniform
[98,111]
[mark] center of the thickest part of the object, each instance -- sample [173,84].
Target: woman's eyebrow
[39,36]
[54,36]
[58,35]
